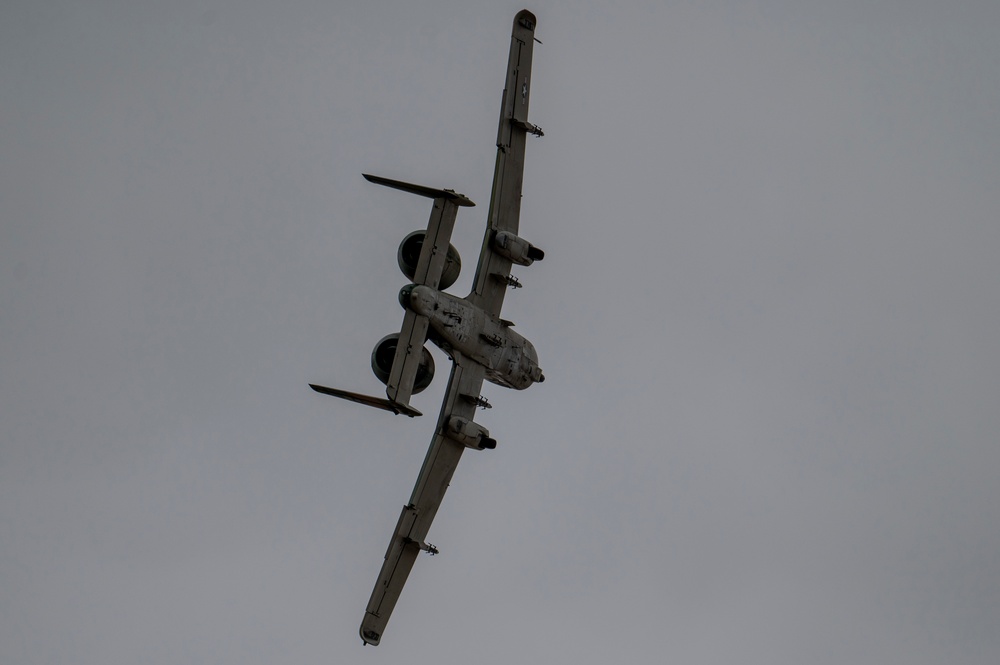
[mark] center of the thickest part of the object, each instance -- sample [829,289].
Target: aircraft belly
[459,326]
[481,345]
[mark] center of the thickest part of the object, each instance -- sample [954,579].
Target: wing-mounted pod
[469,433]
[516,249]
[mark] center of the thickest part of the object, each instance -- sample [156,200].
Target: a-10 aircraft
[480,344]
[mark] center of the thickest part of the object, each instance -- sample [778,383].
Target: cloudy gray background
[768,314]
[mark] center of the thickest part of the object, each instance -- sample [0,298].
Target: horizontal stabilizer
[377,402]
[420,190]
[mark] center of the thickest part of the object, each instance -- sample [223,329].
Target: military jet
[481,345]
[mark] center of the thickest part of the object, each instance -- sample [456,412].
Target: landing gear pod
[382,357]
[516,248]
[470,434]
[409,253]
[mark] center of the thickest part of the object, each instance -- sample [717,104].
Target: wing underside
[408,538]
[505,199]
[465,382]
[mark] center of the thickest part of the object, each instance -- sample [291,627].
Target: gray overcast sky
[768,316]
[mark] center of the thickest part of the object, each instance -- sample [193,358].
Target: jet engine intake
[470,434]
[409,254]
[383,355]
[516,248]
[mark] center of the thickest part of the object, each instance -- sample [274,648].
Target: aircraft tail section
[434,246]
[428,271]
[420,190]
[368,400]
[409,354]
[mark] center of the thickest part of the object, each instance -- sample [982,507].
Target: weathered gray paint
[480,344]
[505,200]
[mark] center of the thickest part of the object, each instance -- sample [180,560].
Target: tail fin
[420,190]
[377,402]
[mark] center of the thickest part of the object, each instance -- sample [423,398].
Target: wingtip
[369,636]
[526,15]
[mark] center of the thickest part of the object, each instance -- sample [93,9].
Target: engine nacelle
[409,254]
[516,248]
[470,434]
[385,351]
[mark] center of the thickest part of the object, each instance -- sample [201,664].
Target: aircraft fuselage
[458,325]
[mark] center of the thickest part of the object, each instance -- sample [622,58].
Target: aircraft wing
[505,200]
[408,538]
